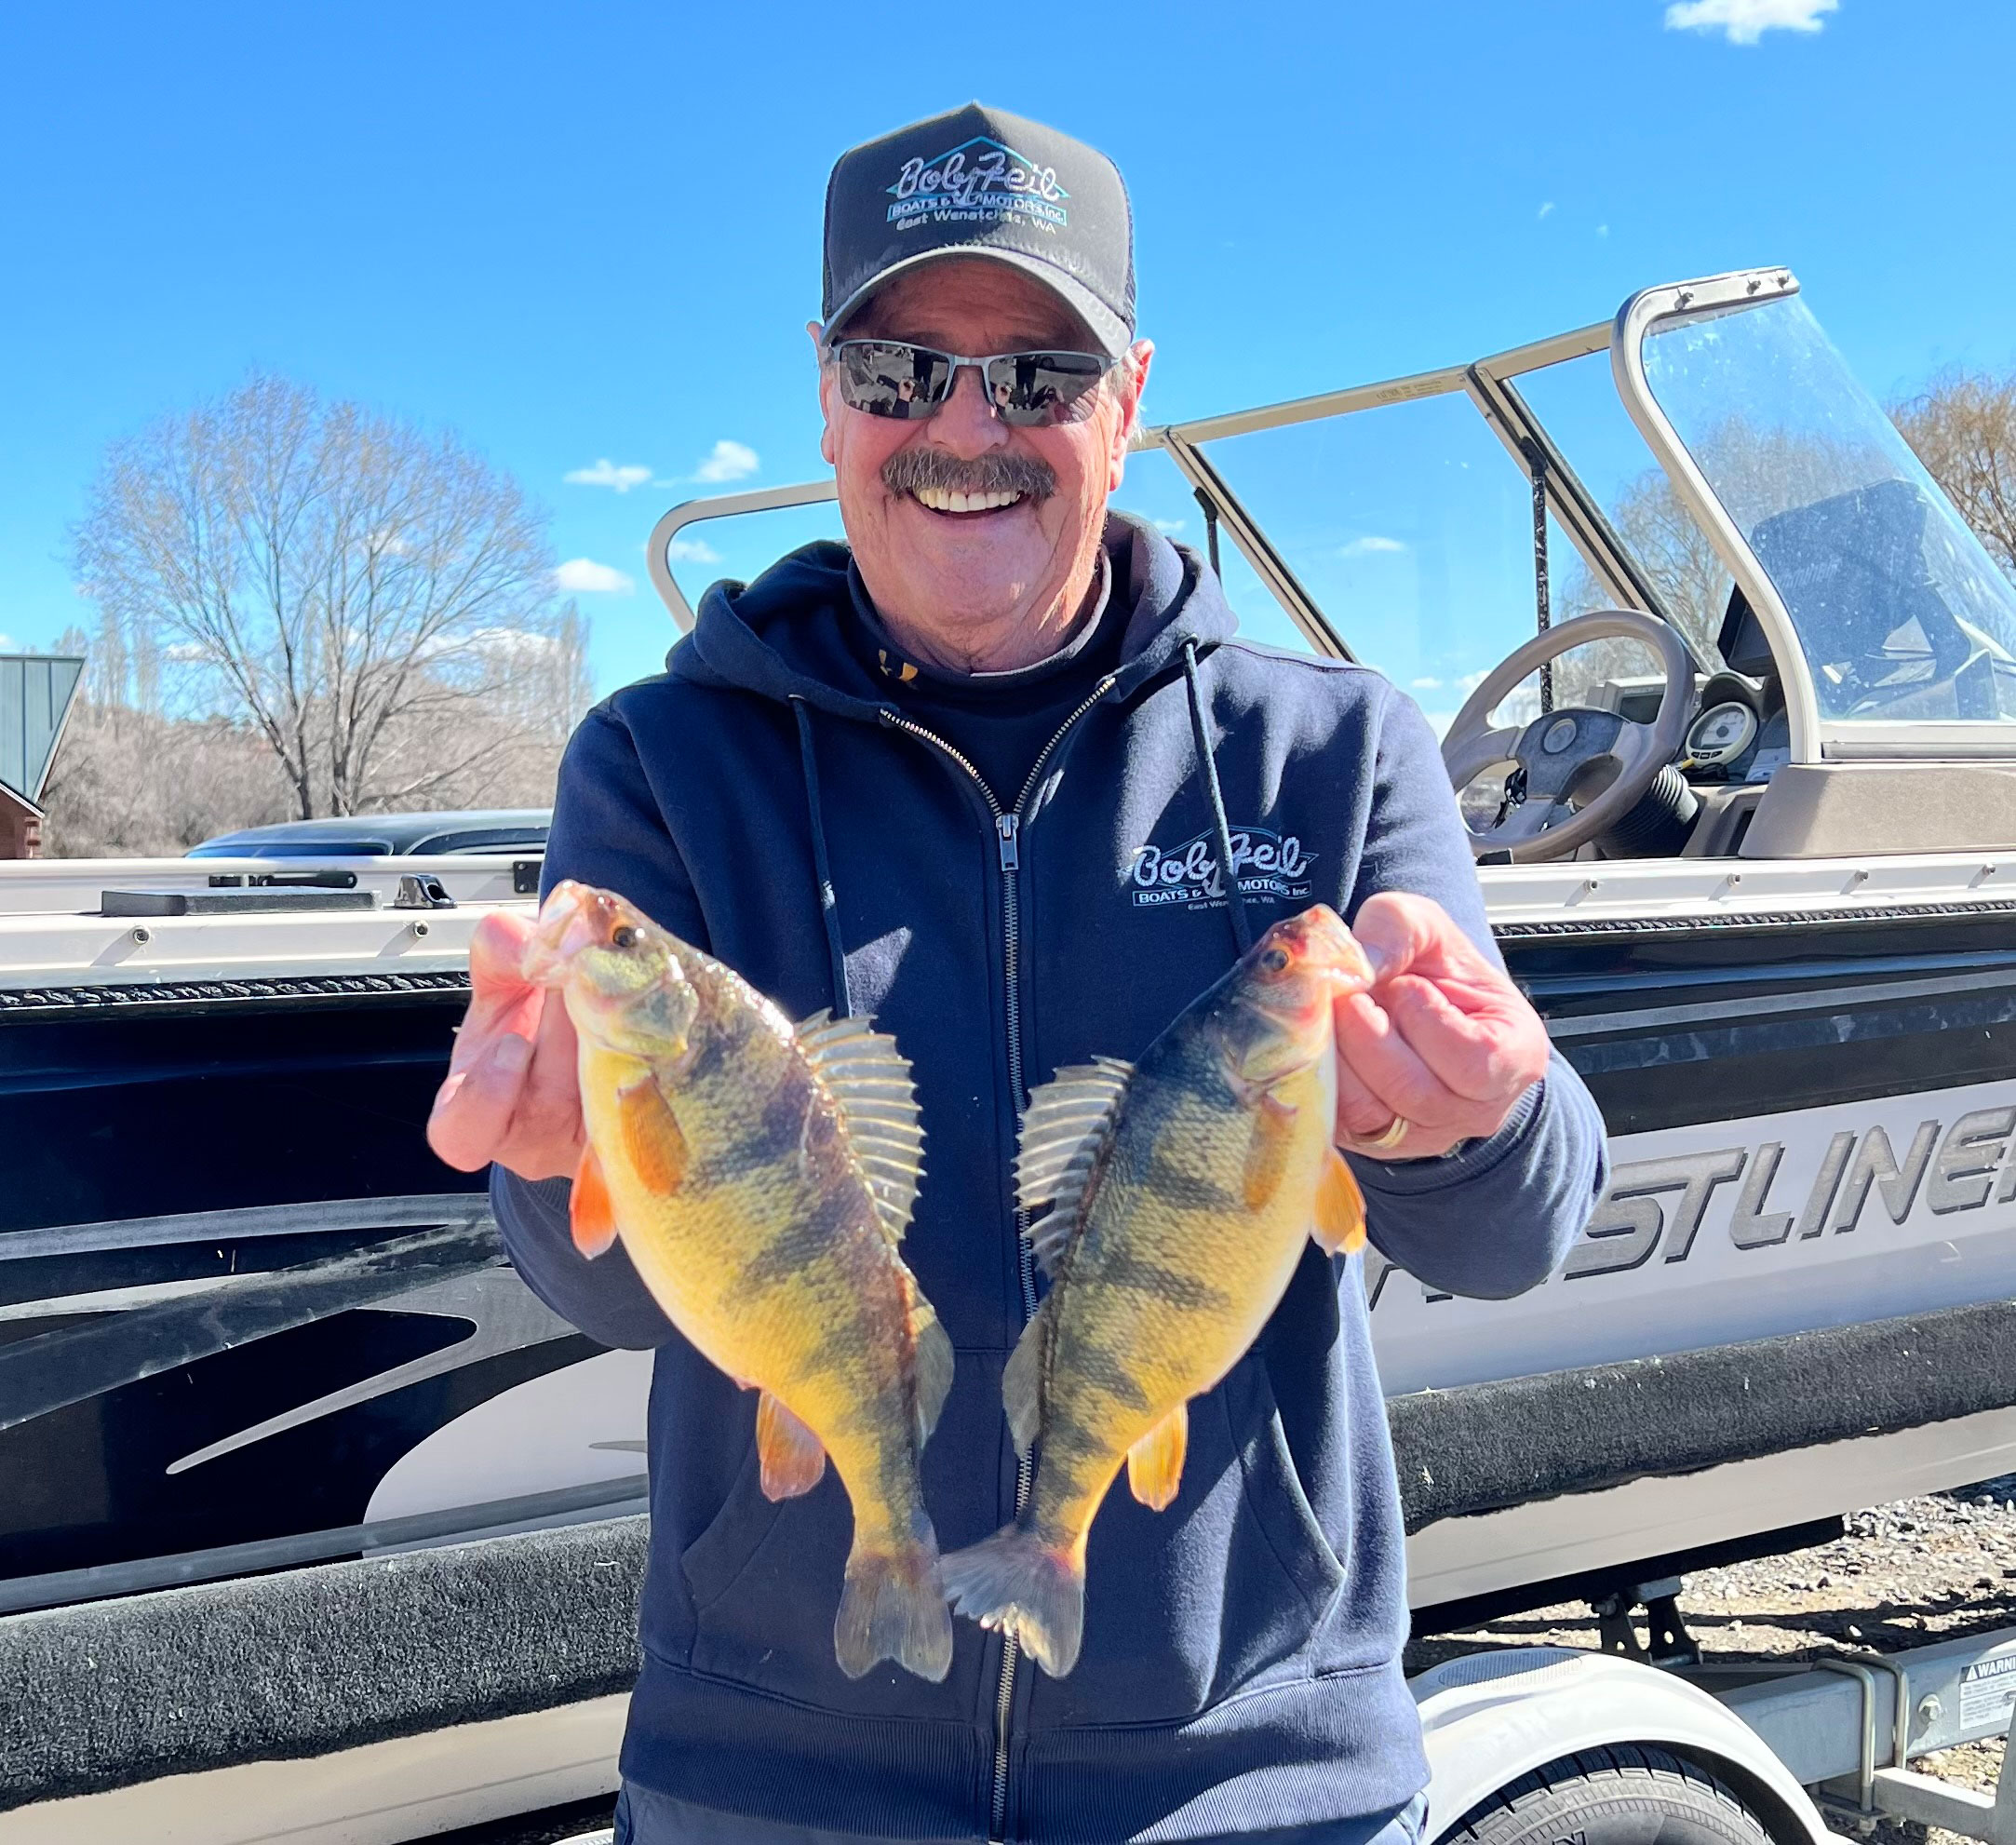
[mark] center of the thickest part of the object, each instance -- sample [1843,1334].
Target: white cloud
[606,473]
[1471,681]
[512,643]
[1603,230]
[1370,545]
[1171,526]
[1545,209]
[1426,683]
[692,551]
[727,461]
[583,576]
[1745,21]
[10,645]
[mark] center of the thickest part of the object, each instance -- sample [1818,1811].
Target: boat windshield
[1901,614]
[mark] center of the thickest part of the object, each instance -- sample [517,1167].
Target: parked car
[483,830]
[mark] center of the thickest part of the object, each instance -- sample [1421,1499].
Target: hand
[512,1093]
[1442,1043]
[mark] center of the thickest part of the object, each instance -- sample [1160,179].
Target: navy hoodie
[1241,1668]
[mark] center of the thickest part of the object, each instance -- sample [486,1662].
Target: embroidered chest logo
[1271,867]
[980,182]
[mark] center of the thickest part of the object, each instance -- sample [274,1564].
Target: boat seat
[306,1661]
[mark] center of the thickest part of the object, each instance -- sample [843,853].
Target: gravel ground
[1937,1567]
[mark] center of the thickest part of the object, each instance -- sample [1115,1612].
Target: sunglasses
[1030,390]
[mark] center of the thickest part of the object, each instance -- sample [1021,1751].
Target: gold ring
[1390,1137]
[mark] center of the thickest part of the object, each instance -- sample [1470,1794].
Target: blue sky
[591,234]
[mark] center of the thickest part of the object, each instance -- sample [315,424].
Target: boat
[1734,716]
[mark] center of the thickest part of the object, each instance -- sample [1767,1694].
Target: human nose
[966,421]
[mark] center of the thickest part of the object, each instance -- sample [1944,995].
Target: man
[927,777]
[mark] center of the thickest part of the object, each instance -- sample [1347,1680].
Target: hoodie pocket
[765,1578]
[717,1558]
[1281,1502]
[1223,1590]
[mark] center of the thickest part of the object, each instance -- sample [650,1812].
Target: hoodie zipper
[1008,839]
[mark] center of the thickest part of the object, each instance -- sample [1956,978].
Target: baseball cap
[979,181]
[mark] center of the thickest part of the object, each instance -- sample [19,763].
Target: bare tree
[374,602]
[129,781]
[1963,426]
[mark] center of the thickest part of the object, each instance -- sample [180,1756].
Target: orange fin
[793,1457]
[1340,1209]
[1267,1155]
[594,1218]
[1155,1462]
[651,1137]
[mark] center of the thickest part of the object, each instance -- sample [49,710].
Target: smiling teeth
[942,501]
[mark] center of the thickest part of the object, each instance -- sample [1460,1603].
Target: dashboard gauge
[1721,735]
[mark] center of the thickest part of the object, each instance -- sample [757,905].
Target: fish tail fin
[1018,1585]
[893,1607]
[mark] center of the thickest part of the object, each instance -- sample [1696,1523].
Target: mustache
[1002,472]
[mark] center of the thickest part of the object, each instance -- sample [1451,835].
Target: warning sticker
[1987,1692]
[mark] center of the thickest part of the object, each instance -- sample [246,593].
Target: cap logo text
[982,181]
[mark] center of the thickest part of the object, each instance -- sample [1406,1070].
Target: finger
[500,1000]
[474,1107]
[1371,1048]
[1486,1054]
[550,1109]
[1399,931]
[1361,1115]
[1408,933]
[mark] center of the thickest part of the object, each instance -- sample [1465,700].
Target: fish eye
[623,936]
[1275,960]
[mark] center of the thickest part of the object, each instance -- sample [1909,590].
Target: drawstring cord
[844,1005]
[829,903]
[1242,929]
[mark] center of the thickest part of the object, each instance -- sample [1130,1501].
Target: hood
[780,636]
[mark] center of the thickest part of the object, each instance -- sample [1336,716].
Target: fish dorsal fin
[1066,1124]
[869,1081]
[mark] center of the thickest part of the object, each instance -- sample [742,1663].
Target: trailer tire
[1630,1795]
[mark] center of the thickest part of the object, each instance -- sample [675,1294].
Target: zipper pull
[1009,826]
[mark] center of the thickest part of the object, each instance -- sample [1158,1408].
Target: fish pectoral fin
[1268,1151]
[1022,1380]
[1340,1209]
[793,1457]
[590,1214]
[1155,1462]
[651,1139]
[934,1366]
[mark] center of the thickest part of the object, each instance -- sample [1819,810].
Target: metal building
[35,694]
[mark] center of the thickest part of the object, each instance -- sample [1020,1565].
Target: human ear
[817,336]
[1130,381]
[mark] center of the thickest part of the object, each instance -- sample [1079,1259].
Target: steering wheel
[1567,750]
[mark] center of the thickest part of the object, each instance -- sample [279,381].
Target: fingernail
[512,1055]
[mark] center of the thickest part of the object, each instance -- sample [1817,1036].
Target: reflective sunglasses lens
[888,379]
[1032,389]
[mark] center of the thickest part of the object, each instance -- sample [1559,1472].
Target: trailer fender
[1489,1717]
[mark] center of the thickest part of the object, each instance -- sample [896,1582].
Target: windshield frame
[1814,737]
[1636,320]
[1490,385]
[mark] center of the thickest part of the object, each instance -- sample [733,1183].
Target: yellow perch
[761,1179]
[1180,1193]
